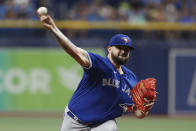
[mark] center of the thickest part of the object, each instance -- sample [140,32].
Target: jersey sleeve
[96,62]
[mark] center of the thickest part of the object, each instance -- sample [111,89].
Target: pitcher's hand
[47,22]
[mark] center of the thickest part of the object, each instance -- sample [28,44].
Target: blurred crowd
[134,11]
[16,9]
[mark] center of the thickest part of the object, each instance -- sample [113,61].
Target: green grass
[30,124]
[124,124]
[157,124]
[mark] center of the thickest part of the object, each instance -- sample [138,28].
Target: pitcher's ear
[109,48]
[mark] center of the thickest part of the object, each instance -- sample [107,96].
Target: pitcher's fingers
[48,26]
[50,19]
[43,18]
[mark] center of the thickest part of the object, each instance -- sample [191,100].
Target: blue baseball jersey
[103,93]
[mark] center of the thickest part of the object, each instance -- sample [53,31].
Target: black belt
[79,121]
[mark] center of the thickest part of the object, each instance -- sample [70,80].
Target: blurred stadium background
[37,78]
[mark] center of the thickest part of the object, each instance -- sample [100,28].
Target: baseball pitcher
[108,89]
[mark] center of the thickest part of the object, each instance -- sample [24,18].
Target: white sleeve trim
[89,61]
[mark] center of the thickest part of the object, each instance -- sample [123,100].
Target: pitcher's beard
[119,61]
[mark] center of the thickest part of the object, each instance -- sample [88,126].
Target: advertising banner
[37,79]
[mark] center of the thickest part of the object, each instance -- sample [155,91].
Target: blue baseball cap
[121,39]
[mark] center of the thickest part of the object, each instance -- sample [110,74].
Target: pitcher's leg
[70,124]
[106,126]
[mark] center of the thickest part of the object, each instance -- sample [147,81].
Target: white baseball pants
[69,124]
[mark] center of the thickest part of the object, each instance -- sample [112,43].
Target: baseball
[42,11]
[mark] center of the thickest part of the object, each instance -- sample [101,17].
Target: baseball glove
[144,94]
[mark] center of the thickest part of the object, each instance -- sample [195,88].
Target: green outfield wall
[37,79]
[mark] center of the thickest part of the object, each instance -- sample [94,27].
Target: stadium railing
[111,25]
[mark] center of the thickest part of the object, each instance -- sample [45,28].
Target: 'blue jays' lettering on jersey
[103,93]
